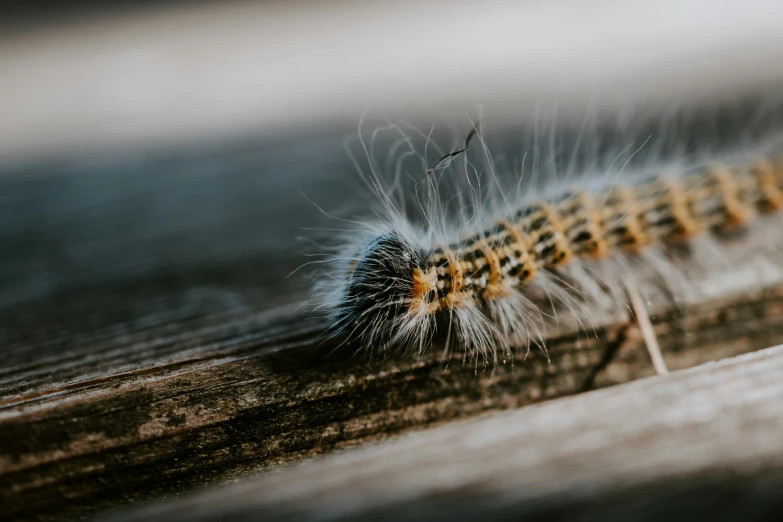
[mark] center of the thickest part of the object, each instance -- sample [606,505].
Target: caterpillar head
[383,290]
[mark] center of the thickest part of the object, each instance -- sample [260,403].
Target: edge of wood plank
[640,450]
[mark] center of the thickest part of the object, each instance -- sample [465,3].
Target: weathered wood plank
[258,391]
[703,443]
[150,347]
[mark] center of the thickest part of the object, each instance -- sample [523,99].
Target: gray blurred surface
[85,222]
[183,72]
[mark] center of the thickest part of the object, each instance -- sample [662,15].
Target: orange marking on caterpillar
[737,212]
[768,179]
[681,203]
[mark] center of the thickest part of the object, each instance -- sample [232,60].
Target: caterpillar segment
[548,235]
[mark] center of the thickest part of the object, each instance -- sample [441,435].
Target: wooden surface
[151,343]
[698,444]
[159,410]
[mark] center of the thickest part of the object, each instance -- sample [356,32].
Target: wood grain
[703,443]
[159,410]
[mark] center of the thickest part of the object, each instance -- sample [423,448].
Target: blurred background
[156,157]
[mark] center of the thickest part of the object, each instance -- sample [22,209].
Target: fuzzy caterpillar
[480,287]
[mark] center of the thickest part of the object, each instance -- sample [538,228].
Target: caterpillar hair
[488,252]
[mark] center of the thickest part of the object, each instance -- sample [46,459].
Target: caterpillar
[483,281]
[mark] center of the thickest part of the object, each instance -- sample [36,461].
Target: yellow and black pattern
[547,235]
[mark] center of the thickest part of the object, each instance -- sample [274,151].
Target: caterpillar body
[481,284]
